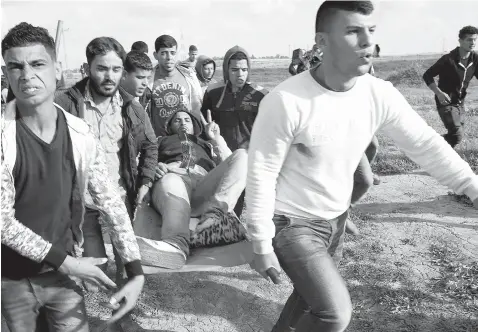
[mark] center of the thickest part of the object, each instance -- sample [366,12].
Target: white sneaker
[160,254]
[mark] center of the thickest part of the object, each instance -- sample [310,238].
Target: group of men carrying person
[77,164]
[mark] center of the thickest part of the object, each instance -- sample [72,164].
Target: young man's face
[136,81]
[468,42]
[182,122]
[166,57]
[238,71]
[193,55]
[105,73]
[208,70]
[32,73]
[348,42]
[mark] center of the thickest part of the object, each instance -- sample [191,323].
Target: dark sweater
[44,175]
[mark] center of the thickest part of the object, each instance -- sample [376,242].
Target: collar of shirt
[116,100]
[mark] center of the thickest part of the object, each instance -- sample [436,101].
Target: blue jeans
[309,252]
[56,294]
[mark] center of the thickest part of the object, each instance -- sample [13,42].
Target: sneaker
[351,228]
[161,254]
[376,179]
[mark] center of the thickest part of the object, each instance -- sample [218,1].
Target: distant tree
[253,57]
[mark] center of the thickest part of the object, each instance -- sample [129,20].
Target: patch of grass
[459,279]
[461,198]
[409,75]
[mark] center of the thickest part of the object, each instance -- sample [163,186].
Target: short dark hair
[193,48]
[137,60]
[25,34]
[165,41]
[328,8]
[140,46]
[468,30]
[103,45]
[239,56]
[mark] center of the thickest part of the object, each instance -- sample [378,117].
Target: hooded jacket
[199,73]
[188,150]
[233,112]
[137,132]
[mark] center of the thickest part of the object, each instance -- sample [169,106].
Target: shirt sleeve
[434,70]
[425,146]
[106,197]
[272,135]
[19,237]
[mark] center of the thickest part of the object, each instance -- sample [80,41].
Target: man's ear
[321,40]
[58,70]
[155,54]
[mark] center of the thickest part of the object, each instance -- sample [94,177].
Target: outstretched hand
[211,127]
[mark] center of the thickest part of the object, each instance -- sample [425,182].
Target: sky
[263,27]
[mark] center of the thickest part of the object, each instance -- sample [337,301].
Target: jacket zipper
[464,77]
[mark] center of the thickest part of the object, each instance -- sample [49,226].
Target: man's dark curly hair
[25,34]
[468,30]
[137,60]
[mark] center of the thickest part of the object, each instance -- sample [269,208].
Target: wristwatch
[149,184]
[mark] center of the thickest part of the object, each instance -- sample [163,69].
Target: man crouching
[196,178]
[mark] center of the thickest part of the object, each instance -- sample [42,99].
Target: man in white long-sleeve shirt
[307,141]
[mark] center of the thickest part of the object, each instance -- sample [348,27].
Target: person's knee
[169,184]
[459,133]
[240,157]
[338,317]
[239,160]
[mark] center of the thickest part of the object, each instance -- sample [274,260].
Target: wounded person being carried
[198,184]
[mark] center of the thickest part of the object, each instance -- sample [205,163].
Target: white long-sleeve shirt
[307,142]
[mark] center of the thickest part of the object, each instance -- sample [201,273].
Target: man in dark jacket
[138,71]
[197,178]
[455,71]
[234,103]
[122,127]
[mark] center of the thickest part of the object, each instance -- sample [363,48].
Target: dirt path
[392,270]
[388,268]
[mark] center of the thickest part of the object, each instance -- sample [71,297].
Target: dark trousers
[453,117]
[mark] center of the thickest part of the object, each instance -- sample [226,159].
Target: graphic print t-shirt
[168,94]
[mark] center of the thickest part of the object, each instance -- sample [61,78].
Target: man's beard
[97,88]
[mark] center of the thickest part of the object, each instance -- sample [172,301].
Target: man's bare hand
[443,98]
[161,170]
[267,266]
[85,269]
[211,128]
[125,299]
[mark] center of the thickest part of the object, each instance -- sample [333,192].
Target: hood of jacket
[197,125]
[199,63]
[227,57]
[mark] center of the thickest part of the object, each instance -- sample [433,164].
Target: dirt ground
[391,269]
